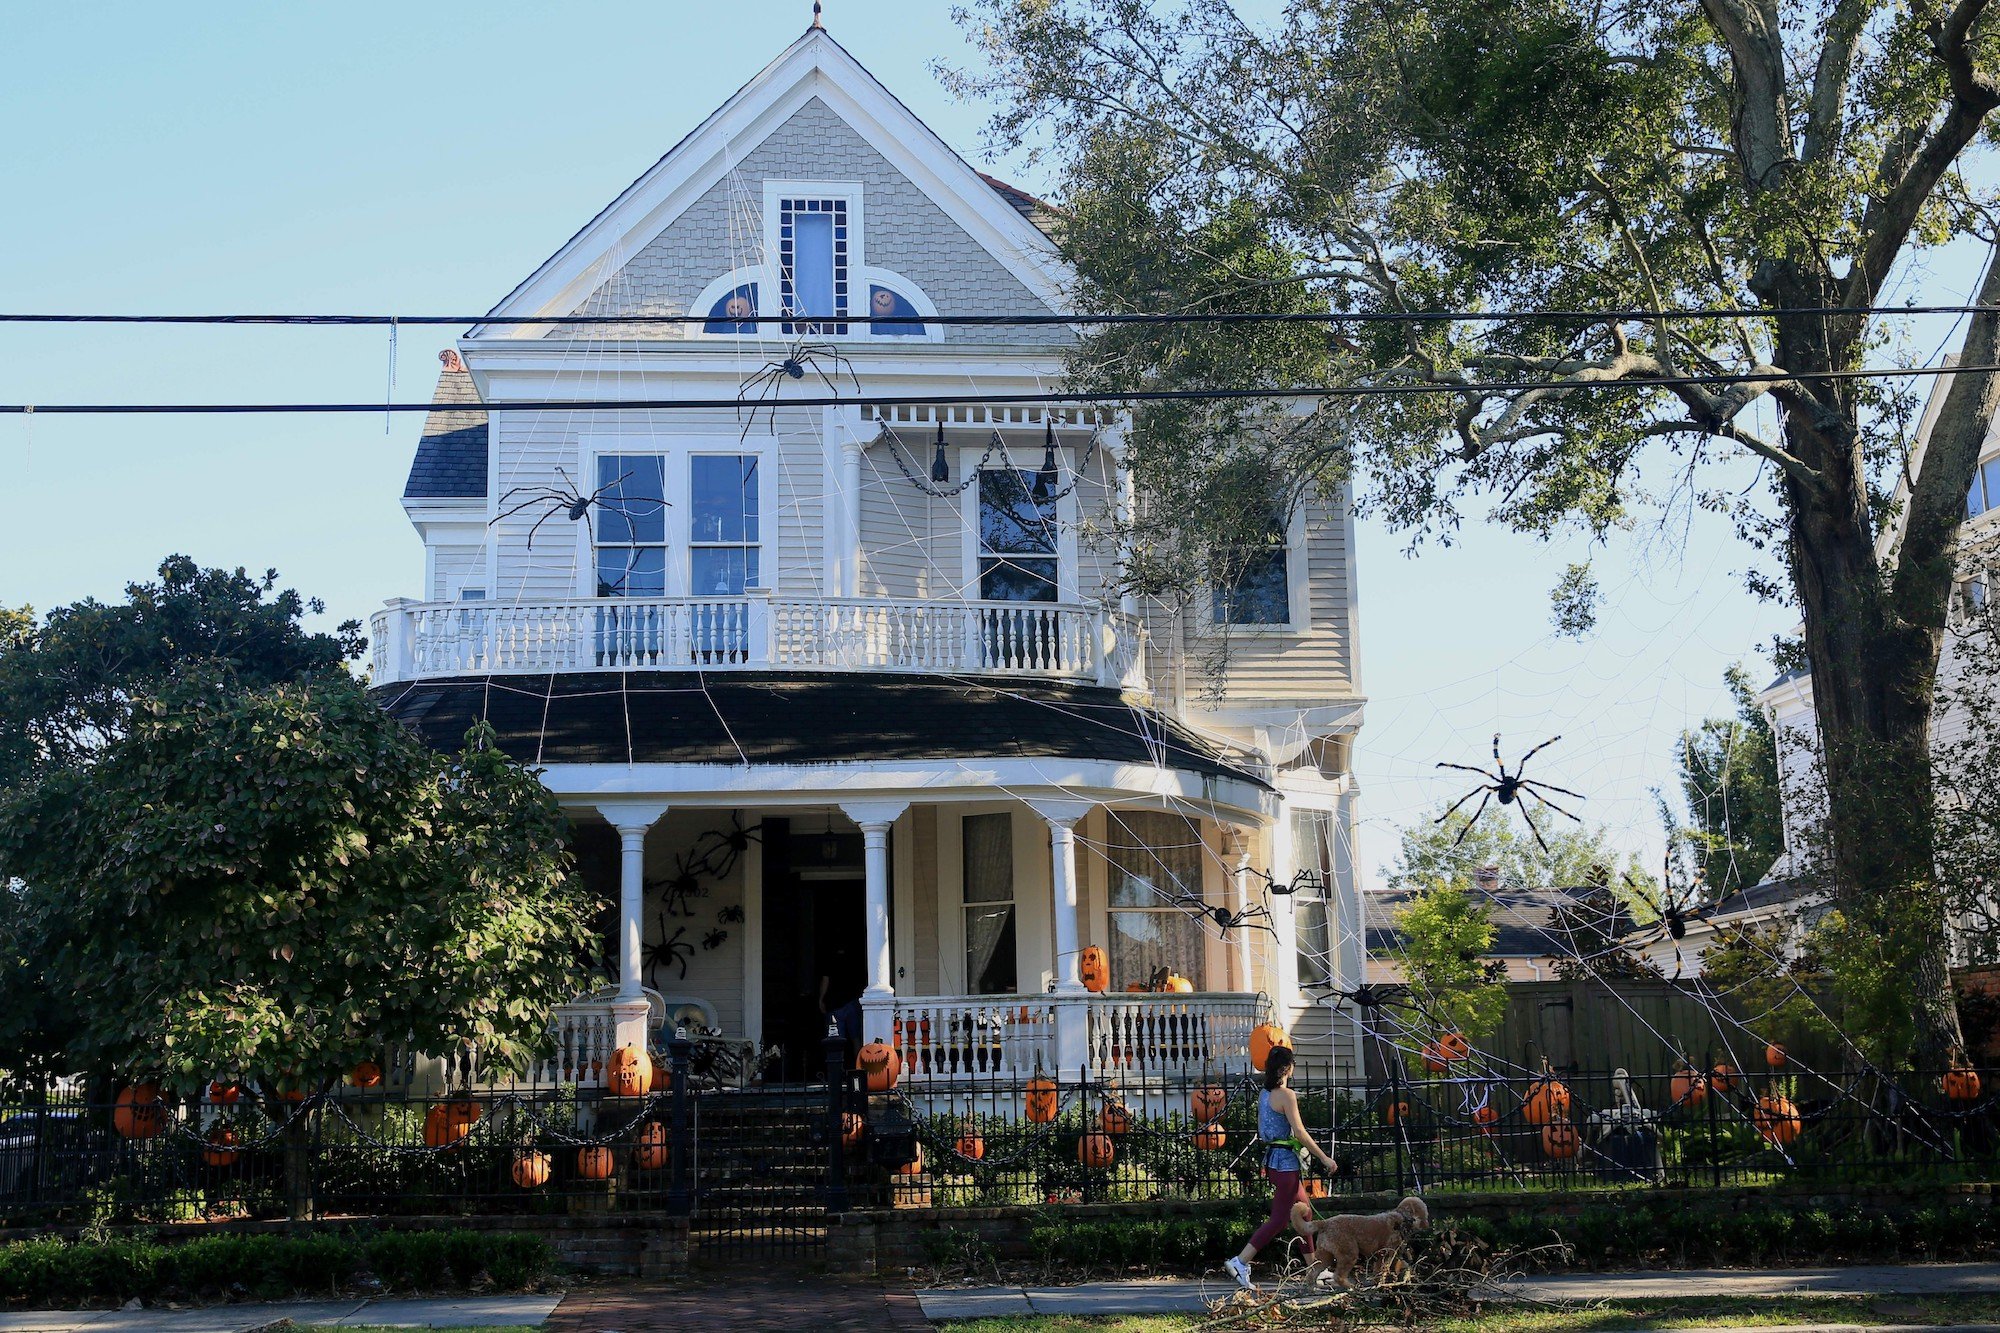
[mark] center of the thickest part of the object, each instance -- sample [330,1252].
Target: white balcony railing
[1002,1039]
[758,632]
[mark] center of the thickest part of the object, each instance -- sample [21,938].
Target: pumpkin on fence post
[879,1061]
[531,1169]
[1115,1119]
[1093,968]
[1688,1088]
[221,1150]
[1043,1098]
[653,1152]
[1960,1084]
[138,1112]
[1263,1039]
[1096,1150]
[448,1122]
[1547,1100]
[1723,1079]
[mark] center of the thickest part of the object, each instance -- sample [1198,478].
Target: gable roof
[451,453]
[997,216]
[1527,923]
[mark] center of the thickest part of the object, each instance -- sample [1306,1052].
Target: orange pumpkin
[630,1074]
[221,1149]
[1096,1151]
[1559,1139]
[852,1127]
[1688,1088]
[971,1146]
[1455,1046]
[367,1074]
[915,1166]
[1210,1138]
[1776,1119]
[653,1153]
[1263,1038]
[1043,1099]
[1723,1078]
[1961,1084]
[1395,1113]
[595,1163]
[1179,984]
[448,1122]
[1485,1117]
[225,1094]
[1774,1055]
[1434,1060]
[1115,1119]
[138,1112]
[663,1076]
[1093,968]
[1547,1100]
[1314,1187]
[531,1169]
[1206,1102]
[878,1059]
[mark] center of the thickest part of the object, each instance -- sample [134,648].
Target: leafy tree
[1577,855]
[1729,779]
[1446,936]
[67,685]
[279,882]
[1466,155]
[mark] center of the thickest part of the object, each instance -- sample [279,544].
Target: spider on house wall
[1511,788]
[762,389]
[566,500]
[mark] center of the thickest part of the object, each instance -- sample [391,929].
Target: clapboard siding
[450,563]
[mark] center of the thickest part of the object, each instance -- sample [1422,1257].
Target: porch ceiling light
[940,465]
[829,845]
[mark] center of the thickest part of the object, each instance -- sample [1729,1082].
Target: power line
[977,399]
[1105,318]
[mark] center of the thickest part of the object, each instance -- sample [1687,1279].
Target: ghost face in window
[882,304]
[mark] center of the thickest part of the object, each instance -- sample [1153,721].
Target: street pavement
[459,1312]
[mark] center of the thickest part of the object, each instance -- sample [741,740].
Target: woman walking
[1285,1137]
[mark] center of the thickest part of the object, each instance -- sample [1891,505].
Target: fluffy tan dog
[1341,1242]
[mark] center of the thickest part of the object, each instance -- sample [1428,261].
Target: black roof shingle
[451,453]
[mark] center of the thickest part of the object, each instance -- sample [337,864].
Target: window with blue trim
[812,261]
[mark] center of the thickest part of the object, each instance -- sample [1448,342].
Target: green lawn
[1598,1317]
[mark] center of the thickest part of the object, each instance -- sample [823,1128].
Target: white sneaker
[1241,1272]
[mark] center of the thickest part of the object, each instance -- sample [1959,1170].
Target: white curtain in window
[1156,863]
[989,904]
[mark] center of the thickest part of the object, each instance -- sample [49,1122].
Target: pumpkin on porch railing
[1178,984]
[1093,968]
[531,1169]
[138,1112]
[1096,1151]
[1263,1038]
[367,1074]
[1043,1098]
[879,1061]
[1776,1119]
[595,1163]
[221,1149]
[652,1153]
[1206,1102]
[448,1122]
[1559,1140]
[630,1074]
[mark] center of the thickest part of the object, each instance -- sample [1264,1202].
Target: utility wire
[1030,320]
[976,399]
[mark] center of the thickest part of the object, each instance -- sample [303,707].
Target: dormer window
[813,260]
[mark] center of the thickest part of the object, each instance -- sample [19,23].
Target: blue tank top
[1271,1127]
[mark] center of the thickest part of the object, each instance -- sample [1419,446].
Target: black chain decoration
[900,452]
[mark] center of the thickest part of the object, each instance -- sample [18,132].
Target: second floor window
[1018,559]
[723,541]
[1253,583]
[1985,493]
[631,525]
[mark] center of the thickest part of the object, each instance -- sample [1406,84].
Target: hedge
[56,1272]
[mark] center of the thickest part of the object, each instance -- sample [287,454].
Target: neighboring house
[1788,700]
[844,699]
[1760,905]
[1533,930]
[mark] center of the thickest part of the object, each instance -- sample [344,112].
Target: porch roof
[776,718]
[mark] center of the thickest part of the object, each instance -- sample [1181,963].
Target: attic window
[813,261]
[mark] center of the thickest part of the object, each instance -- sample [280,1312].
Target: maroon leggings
[1285,1192]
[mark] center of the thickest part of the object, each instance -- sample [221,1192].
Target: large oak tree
[1785,159]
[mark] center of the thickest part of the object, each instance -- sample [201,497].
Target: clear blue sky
[425,158]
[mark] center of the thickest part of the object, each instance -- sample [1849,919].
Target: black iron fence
[758,1169]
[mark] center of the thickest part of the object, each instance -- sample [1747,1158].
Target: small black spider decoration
[673,951]
[731,915]
[570,503]
[762,389]
[1674,906]
[714,939]
[1511,788]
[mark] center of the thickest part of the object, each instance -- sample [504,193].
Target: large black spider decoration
[675,891]
[1369,996]
[717,851]
[1257,918]
[1306,880]
[1674,907]
[566,500]
[761,390]
[672,951]
[1511,788]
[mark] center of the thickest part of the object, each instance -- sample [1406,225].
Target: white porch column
[1071,1001]
[878,999]
[1239,844]
[631,819]
[850,505]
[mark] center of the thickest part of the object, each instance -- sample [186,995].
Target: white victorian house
[843,699]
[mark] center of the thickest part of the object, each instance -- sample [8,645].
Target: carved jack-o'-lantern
[971,1145]
[225,1094]
[1210,1138]
[630,1073]
[1776,1119]
[1395,1113]
[367,1074]
[1115,1119]
[531,1169]
[1547,1100]
[1774,1055]
[879,1061]
[1179,984]
[1206,1101]
[1096,1150]
[652,1153]
[739,307]
[448,1122]
[1043,1099]
[138,1112]
[1559,1140]
[1264,1038]
[595,1163]
[1961,1085]
[1094,970]
[1723,1078]
[221,1149]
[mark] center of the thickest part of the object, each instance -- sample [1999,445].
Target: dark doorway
[815,933]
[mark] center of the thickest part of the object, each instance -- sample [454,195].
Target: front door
[815,941]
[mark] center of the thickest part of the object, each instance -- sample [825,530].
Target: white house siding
[714,973]
[903,231]
[530,447]
[452,567]
[912,544]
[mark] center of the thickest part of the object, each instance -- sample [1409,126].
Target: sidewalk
[460,1312]
[1155,1296]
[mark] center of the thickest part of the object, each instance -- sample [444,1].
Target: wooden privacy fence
[1641,1026]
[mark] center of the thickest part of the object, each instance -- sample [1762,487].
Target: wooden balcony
[758,632]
